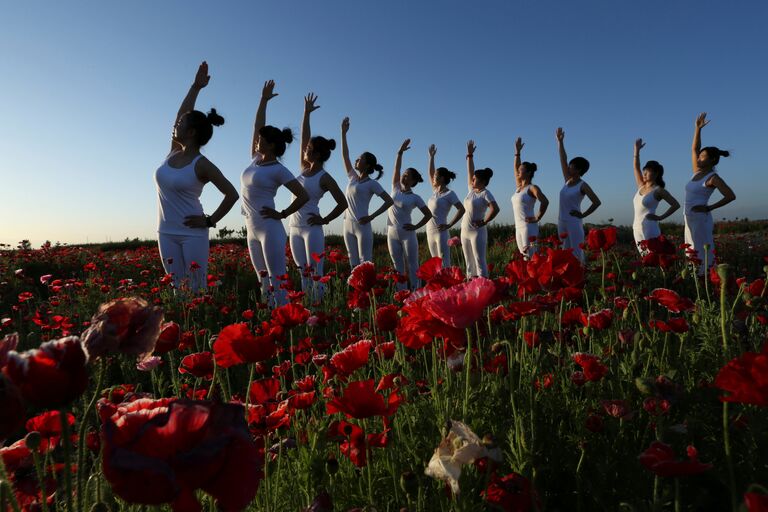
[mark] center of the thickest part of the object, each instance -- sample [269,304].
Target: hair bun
[287,135]
[332,144]
[378,167]
[725,153]
[214,118]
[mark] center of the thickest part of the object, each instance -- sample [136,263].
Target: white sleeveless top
[570,199]
[315,191]
[439,203]
[476,203]
[399,214]
[522,205]
[359,194]
[258,187]
[178,191]
[697,193]
[644,205]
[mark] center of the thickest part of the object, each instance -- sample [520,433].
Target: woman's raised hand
[519,145]
[702,121]
[471,147]
[432,150]
[639,144]
[345,125]
[405,146]
[309,103]
[560,134]
[268,92]
[202,77]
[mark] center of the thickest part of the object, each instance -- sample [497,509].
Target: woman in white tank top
[358,232]
[650,191]
[474,233]
[401,233]
[258,185]
[306,225]
[699,225]
[523,201]
[569,218]
[182,225]
[439,204]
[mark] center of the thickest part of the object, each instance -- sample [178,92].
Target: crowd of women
[183,226]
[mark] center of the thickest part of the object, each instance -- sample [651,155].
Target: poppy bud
[32,440]
[331,465]
[99,507]
[409,483]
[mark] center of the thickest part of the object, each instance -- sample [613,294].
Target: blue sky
[89,91]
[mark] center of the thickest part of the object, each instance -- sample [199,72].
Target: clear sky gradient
[89,91]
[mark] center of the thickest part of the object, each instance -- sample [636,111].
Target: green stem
[467,369]
[41,479]
[6,489]
[81,434]
[729,458]
[678,500]
[66,442]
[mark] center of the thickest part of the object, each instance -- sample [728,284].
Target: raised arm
[560,135]
[345,149]
[306,130]
[587,191]
[405,146]
[205,172]
[470,163]
[639,144]
[701,122]
[188,103]
[518,150]
[432,150]
[267,93]
[329,184]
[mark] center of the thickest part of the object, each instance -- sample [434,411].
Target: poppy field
[626,384]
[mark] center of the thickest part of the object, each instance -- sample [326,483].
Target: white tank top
[644,205]
[178,191]
[359,194]
[399,214]
[258,187]
[570,199]
[697,193]
[315,191]
[476,204]
[439,203]
[522,204]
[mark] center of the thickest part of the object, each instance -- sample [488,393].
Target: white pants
[404,250]
[699,230]
[359,241]
[474,244]
[523,234]
[178,252]
[304,241]
[438,245]
[645,231]
[266,245]
[574,227]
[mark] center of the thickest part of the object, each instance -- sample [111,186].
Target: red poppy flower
[593,369]
[756,502]
[660,252]
[264,390]
[510,493]
[360,400]
[290,315]
[745,379]
[355,356]
[660,459]
[600,320]
[236,345]
[19,465]
[601,239]
[557,269]
[52,375]
[429,268]
[618,409]
[677,325]
[671,300]
[352,441]
[418,327]
[48,424]
[129,326]
[363,277]
[157,452]
[199,365]
[169,338]
[387,318]
[462,305]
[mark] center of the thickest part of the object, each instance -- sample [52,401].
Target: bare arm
[432,150]
[470,163]
[587,191]
[345,149]
[460,210]
[306,130]
[664,194]
[518,149]
[728,194]
[536,192]
[188,103]
[560,135]
[267,93]
[405,146]
[207,172]
[639,144]
[388,202]
[493,211]
[427,216]
[701,122]
[329,184]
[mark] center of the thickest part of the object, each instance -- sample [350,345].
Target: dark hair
[658,169]
[370,159]
[530,167]
[203,124]
[447,175]
[280,138]
[322,147]
[484,175]
[581,164]
[715,153]
[416,175]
